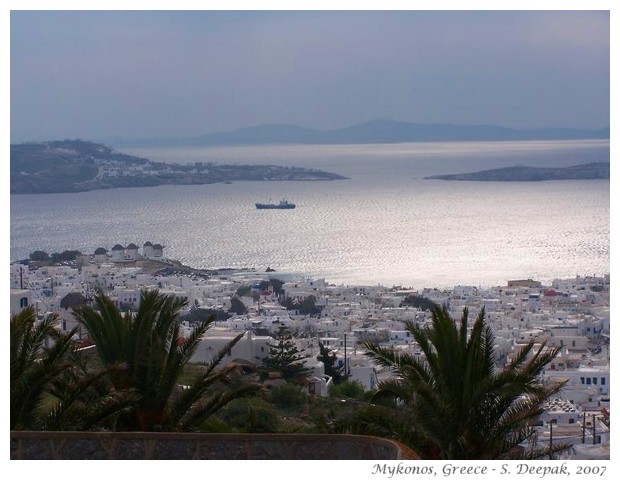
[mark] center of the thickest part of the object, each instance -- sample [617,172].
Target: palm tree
[51,388]
[152,357]
[34,366]
[453,403]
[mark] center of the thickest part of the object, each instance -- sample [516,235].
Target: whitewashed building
[118,253]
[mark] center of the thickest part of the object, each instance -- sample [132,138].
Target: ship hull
[275,206]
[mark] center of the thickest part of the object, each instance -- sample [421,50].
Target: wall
[202,446]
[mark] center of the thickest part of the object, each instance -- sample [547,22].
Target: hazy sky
[136,74]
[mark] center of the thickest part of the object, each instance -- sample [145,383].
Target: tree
[288,303]
[284,356]
[34,366]
[329,359]
[198,315]
[39,256]
[348,389]
[244,291]
[276,285]
[237,306]
[65,256]
[308,306]
[418,301]
[251,415]
[148,346]
[451,401]
[51,388]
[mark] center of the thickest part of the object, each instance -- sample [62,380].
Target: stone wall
[202,446]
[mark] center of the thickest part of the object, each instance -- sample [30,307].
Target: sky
[121,74]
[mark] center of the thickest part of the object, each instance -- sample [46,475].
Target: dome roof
[100,251]
[148,244]
[118,247]
[132,246]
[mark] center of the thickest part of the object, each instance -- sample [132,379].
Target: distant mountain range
[378,131]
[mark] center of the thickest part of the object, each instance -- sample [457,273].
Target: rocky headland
[75,166]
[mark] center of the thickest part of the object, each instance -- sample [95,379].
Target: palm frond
[35,366]
[146,342]
[460,405]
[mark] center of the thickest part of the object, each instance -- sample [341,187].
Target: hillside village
[571,313]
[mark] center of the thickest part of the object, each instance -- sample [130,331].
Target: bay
[385,225]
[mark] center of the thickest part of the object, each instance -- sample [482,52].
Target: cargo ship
[282,205]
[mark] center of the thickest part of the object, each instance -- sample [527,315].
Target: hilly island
[77,166]
[520,173]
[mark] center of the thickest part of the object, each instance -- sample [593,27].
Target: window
[23,302]
[588,381]
[583,380]
[602,380]
[595,381]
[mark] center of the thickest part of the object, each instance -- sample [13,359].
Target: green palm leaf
[459,405]
[147,344]
[50,386]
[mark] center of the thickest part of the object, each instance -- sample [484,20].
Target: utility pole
[346,368]
[551,422]
[583,428]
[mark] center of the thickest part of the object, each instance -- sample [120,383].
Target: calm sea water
[385,225]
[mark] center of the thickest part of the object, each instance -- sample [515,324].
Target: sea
[386,224]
